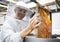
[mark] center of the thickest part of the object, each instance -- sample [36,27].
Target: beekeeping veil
[21,4]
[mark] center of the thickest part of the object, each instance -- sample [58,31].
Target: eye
[24,11]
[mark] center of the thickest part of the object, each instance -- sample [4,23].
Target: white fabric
[0,36]
[23,5]
[11,30]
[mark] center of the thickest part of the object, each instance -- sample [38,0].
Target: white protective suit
[11,30]
[12,27]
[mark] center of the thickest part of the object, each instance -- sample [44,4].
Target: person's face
[20,13]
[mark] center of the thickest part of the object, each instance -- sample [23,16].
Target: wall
[55,23]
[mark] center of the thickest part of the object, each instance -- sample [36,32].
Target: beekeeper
[11,30]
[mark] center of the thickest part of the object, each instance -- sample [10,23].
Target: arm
[25,32]
[33,23]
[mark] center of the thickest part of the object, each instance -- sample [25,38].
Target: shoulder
[9,23]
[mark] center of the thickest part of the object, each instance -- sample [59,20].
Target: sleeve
[14,38]
[9,35]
